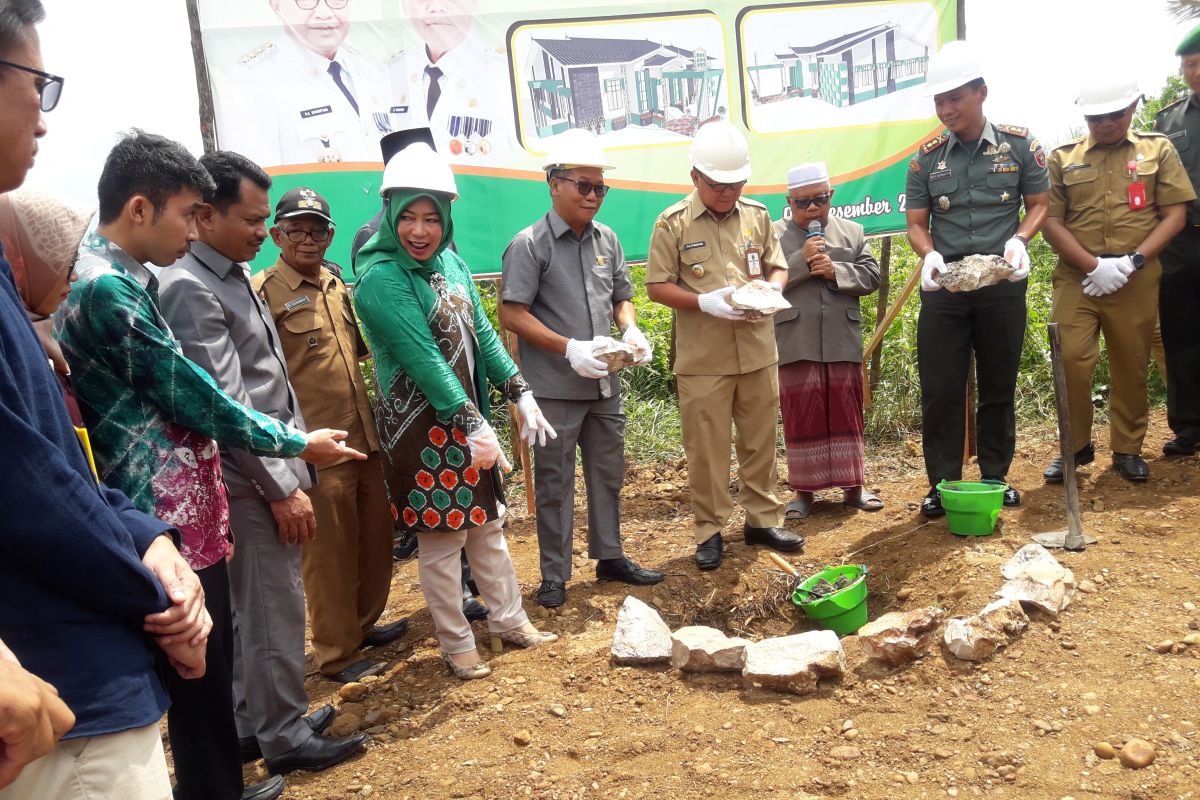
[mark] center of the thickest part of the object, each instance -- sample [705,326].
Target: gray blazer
[222,326]
[824,323]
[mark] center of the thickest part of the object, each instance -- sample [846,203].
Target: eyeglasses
[808,202]
[721,188]
[49,86]
[586,187]
[309,5]
[1096,119]
[298,236]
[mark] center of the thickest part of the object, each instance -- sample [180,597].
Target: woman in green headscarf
[435,353]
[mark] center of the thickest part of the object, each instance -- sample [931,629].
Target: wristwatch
[1022,237]
[1137,259]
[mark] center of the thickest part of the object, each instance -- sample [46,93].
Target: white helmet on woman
[418,167]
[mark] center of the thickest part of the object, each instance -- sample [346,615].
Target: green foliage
[1174,89]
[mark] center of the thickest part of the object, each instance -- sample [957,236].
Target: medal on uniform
[1004,197]
[698,270]
[485,147]
[941,164]
[329,154]
[944,203]
[469,147]
[990,150]
[1005,147]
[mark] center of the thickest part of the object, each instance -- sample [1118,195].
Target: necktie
[335,71]
[435,89]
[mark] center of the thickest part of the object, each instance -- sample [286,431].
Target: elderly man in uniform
[965,189]
[1117,197]
[830,266]
[1179,292]
[566,284]
[304,97]
[347,567]
[702,248]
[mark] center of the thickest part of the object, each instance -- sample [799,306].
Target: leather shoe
[317,722]
[318,753]
[357,671]
[404,546]
[1179,446]
[1130,467]
[931,506]
[551,594]
[474,610]
[1012,498]
[1084,455]
[385,634]
[270,789]
[625,571]
[780,539]
[709,552]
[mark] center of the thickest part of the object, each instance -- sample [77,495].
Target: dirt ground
[1021,725]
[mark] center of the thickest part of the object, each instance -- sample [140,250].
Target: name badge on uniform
[1073,167]
[940,174]
[692,245]
[315,112]
[1177,135]
[398,110]
[299,301]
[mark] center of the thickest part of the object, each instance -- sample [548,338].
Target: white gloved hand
[533,424]
[1125,264]
[1018,258]
[1106,278]
[485,449]
[638,341]
[931,267]
[714,303]
[579,353]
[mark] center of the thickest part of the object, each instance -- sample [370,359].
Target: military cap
[1190,44]
[300,201]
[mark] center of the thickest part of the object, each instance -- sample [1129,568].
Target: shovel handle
[783,564]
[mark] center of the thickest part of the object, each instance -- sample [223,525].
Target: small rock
[1137,753]
[558,710]
[641,636]
[1192,640]
[353,691]
[794,663]
[345,724]
[901,636]
[522,738]
[366,791]
[904,593]
[1092,710]
[1087,587]
[977,637]
[845,752]
[700,649]
[1164,647]
[1097,505]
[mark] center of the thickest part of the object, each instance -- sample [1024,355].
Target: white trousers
[129,765]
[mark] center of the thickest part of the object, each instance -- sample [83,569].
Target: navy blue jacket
[73,590]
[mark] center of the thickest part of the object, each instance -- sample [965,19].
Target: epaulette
[934,143]
[250,58]
[397,56]
[675,207]
[1150,134]
[1013,130]
[752,202]
[1169,106]
[1070,143]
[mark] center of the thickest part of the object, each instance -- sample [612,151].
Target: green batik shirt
[1180,121]
[151,413]
[974,193]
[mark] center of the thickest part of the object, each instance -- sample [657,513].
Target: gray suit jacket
[824,323]
[222,326]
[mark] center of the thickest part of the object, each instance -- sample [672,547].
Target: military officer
[701,249]
[965,189]
[1117,197]
[1179,292]
[305,97]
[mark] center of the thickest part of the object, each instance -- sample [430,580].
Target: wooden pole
[1066,447]
[208,132]
[881,304]
[882,327]
[519,443]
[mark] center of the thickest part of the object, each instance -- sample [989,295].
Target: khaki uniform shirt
[1089,190]
[319,335]
[1180,121]
[694,249]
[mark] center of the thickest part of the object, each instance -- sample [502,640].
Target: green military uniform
[1089,185]
[725,369]
[973,191]
[1179,291]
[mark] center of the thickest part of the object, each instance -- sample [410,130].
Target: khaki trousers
[708,404]
[347,569]
[129,765]
[1127,319]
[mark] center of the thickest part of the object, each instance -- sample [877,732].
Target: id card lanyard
[1137,189]
[753,253]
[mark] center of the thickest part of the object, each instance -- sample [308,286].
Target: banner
[306,88]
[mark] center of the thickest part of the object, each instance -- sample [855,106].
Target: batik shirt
[151,413]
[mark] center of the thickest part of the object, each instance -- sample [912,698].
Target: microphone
[815,229]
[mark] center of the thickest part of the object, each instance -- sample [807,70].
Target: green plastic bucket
[844,611]
[972,507]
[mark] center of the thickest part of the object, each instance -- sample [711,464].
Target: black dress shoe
[318,753]
[317,722]
[1179,446]
[625,571]
[404,546]
[385,634]
[709,552]
[780,539]
[1084,455]
[551,594]
[357,671]
[931,506]
[269,789]
[1012,498]
[474,610]
[1130,467]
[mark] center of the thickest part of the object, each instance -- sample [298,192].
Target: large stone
[1041,582]
[974,272]
[641,636]
[794,663]
[901,636]
[977,637]
[615,354]
[1023,558]
[700,649]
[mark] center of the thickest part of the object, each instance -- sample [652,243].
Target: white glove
[579,353]
[1106,278]
[714,303]
[638,341]
[485,449]
[1018,258]
[1125,264]
[931,267]
[533,425]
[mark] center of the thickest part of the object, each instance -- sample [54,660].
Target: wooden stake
[882,328]
[519,443]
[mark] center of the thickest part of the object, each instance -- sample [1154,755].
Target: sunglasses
[721,188]
[587,187]
[1096,119]
[808,202]
[309,5]
[49,86]
[298,237]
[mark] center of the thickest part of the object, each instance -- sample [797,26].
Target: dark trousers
[1179,318]
[990,321]
[204,740]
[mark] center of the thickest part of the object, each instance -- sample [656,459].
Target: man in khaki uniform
[347,567]
[702,248]
[1117,196]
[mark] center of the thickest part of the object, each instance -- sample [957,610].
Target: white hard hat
[1103,94]
[953,66]
[576,148]
[719,150]
[418,167]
